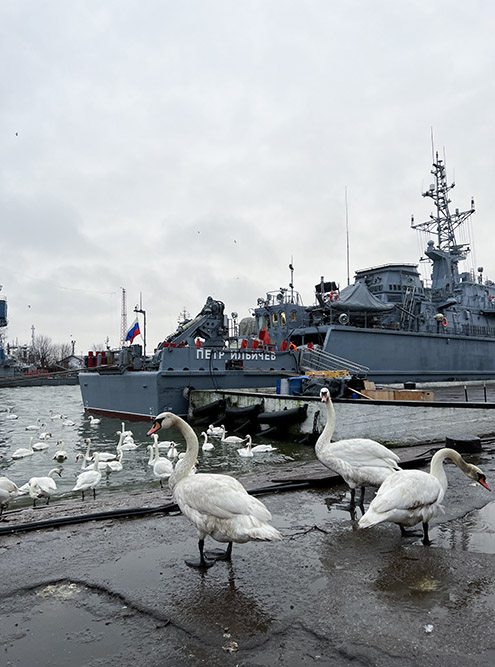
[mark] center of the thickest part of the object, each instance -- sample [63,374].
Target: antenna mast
[123,317]
[291,284]
[347,235]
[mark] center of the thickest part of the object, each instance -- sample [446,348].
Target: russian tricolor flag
[133,332]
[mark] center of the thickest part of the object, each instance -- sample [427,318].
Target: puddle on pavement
[474,532]
[61,624]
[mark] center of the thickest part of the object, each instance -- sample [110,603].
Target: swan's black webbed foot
[200,563]
[409,533]
[218,554]
[203,561]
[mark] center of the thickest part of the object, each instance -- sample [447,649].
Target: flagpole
[143,312]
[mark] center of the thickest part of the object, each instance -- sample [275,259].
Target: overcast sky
[187,149]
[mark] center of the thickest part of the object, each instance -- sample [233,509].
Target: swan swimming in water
[206,446]
[408,497]
[215,431]
[218,505]
[162,468]
[258,449]
[60,455]
[231,439]
[359,461]
[24,451]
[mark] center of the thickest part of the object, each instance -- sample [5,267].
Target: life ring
[492,296]
[334,296]
[292,347]
[444,322]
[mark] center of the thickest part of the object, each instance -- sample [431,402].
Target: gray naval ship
[400,327]
[205,352]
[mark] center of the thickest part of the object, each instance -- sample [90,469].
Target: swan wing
[219,496]
[364,452]
[406,490]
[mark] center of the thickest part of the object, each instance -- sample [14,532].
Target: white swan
[60,455]
[231,439]
[218,505]
[359,461]
[34,427]
[94,421]
[112,466]
[89,479]
[68,422]
[10,414]
[8,490]
[126,442]
[22,452]
[258,449]
[408,497]
[102,456]
[206,446]
[4,499]
[43,487]
[215,431]
[246,451]
[9,486]
[172,451]
[42,444]
[52,416]
[162,468]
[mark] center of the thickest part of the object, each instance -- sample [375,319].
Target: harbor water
[55,406]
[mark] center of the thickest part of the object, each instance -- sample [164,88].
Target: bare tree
[43,351]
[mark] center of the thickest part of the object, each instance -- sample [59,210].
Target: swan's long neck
[87,449]
[326,434]
[31,443]
[185,465]
[437,469]
[156,451]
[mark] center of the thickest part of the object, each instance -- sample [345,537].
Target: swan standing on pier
[359,461]
[42,487]
[408,497]
[89,478]
[218,505]
[8,490]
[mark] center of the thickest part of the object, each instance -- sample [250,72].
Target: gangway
[316,362]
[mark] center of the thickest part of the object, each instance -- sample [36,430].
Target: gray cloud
[186,149]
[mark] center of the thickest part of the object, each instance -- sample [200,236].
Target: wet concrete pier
[119,592]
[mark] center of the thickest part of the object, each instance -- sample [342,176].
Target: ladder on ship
[317,362]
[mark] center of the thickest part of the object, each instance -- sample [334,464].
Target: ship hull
[141,395]
[401,356]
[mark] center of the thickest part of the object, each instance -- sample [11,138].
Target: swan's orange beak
[483,483]
[154,428]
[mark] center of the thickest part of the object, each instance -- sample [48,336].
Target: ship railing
[319,360]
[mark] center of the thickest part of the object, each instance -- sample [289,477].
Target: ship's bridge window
[274,319]
[261,319]
[267,321]
[293,315]
[283,320]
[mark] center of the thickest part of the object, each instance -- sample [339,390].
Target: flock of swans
[220,507]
